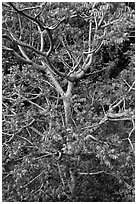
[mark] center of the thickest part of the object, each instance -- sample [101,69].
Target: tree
[106,22]
[65,44]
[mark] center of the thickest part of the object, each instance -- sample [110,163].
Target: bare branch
[96,49]
[35,104]
[24,138]
[130,143]
[64,20]
[33,7]
[50,40]
[38,132]
[93,173]
[68,51]
[65,63]
[32,180]
[35,20]
[18,42]
[130,86]
[41,39]
[75,67]
[17,55]
[95,19]
[110,23]
[89,41]
[20,48]
[42,6]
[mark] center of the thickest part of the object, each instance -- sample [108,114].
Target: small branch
[130,143]
[35,20]
[50,40]
[96,126]
[39,189]
[64,20]
[14,134]
[131,87]
[20,27]
[45,155]
[112,174]
[96,49]
[110,23]
[6,177]
[111,115]
[39,133]
[95,19]
[24,138]
[112,107]
[45,110]
[60,173]
[31,8]
[93,173]
[68,51]
[20,48]
[90,136]
[18,42]
[101,20]
[65,63]
[17,55]
[95,72]
[42,7]
[89,40]
[41,39]
[133,129]
[32,180]
[63,122]
[75,67]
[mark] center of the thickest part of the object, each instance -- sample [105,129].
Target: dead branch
[32,180]
[93,173]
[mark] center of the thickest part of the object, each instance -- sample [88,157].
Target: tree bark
[67,102]
[68,112]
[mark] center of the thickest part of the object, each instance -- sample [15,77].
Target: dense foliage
[43,160]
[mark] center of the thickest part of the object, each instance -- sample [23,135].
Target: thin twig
[35,104]
[130,143]
[32,180]
[60,173]
[93,173]
[39,189]
[24,138]
[39,133]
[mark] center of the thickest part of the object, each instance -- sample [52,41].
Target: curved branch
[50,40]
[42,7]
[18,42]
[64,20]
[27,61]
[17,55]
[96,49]
[35,20]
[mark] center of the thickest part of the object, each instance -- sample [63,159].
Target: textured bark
[67,102]
[68,112]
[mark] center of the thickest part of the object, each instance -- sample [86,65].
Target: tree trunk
[67,102]
[68,111]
